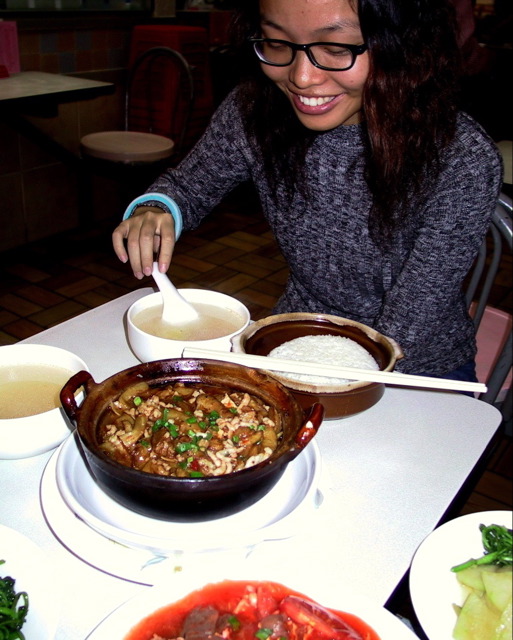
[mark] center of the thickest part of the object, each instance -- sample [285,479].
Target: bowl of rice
[318,338]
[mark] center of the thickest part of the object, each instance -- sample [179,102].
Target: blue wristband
[168,203]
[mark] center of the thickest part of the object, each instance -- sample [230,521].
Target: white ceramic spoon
[175,309]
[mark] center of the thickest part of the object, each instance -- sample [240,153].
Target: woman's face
[322,100]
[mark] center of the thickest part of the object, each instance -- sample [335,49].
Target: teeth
[314,102]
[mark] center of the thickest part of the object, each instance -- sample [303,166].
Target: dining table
[29,87]
[39,93]
[388,477]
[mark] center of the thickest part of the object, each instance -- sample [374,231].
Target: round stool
[127,147]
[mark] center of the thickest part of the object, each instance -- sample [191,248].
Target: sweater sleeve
[220,161]
[428,287]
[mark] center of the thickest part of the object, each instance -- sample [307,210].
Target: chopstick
[334,371]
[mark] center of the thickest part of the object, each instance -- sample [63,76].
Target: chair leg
[506,409]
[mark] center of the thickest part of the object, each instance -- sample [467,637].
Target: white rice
[335,350]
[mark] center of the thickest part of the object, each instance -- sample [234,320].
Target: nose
[302,73]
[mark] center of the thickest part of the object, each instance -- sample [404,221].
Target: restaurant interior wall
[40,194]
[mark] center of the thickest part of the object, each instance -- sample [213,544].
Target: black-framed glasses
[330,56]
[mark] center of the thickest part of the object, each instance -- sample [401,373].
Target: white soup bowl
[31,435]
[148,347]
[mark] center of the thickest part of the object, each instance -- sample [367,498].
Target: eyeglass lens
[332,56]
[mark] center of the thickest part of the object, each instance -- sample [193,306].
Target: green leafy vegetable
[234,623]
[498,548]
[13,609]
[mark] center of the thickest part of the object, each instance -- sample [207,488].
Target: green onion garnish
[234,623]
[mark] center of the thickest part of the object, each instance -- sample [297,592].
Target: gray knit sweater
[412,292]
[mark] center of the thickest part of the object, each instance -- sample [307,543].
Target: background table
[389,475]
[36,85]
[36,93]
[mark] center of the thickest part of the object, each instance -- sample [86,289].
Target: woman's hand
[149,231]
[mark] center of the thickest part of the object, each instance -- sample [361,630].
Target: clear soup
[213,322]
[29,389]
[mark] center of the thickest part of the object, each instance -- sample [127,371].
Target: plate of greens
[480,543]
[29,598]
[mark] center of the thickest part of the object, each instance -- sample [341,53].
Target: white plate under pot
[277,515]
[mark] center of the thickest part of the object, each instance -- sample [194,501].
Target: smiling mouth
[315,102]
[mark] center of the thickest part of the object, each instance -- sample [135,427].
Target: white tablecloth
[389,474]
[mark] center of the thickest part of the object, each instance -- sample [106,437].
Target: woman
[378,191]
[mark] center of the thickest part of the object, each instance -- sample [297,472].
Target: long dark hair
[409,104]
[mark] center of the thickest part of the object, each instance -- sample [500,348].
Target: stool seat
[128,147]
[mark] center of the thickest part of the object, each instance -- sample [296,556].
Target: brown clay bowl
[188,499]
[261,337]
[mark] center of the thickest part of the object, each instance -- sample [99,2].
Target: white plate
[434,588]
[90,546]
[26,563]
[329,594]
[275,516]
[136,565]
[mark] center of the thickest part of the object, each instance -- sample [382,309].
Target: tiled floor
[53,280]
[50,281]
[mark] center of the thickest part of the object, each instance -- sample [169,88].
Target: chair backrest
[159,95]
[499,237]
[489,257]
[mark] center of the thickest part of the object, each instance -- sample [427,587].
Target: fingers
[167,244]
[145,235]
[118,241]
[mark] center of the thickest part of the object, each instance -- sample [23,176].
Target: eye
[335,51]
[275,45]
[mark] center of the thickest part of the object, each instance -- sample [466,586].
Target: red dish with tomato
[249,610]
